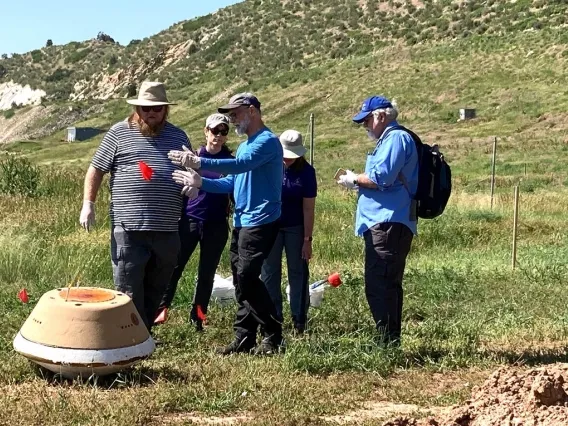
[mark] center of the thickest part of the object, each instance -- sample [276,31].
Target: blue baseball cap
[371,104]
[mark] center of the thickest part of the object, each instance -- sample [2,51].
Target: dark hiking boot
[245,345]
[270,346]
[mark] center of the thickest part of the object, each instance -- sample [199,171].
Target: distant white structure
[71,134]
[12,93]
[467,113]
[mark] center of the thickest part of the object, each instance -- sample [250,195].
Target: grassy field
[465,310]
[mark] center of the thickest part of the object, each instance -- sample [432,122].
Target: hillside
[260,37]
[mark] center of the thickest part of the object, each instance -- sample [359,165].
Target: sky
[27,24]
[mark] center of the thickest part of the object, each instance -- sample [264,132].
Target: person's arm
[101,164]
[223,185]
[93,180]
[248,158]
[309,207]
[388,162]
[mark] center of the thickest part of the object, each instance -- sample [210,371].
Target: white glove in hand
[348,180]
[191,192]
[186,158]
[87,217]
[187,178]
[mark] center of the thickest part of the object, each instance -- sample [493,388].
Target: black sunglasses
[157,108]
[222,130]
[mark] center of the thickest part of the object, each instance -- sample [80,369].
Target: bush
[37,56]
[18,176]
[49,43]
[9,113]
[77,56]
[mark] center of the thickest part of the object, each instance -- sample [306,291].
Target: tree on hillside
[3,71]
[49,43]
[4,56]
[105,37]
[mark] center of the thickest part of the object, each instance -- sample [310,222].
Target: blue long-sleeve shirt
[254,176]
[391,201]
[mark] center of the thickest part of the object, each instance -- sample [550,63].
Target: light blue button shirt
[391,201]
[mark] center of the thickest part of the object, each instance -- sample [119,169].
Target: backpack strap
[400,176]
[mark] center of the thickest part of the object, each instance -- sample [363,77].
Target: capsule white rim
[55,355]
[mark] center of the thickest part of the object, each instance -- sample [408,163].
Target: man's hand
[186,158]
[87,217]
[191,192]
[307,250]
[348,180]
[187,179]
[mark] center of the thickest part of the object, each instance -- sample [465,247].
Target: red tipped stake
[23,296]
[334,280]
[200,314]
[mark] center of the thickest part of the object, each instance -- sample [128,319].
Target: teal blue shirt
[391,201]
[254,176]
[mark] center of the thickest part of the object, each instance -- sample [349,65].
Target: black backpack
[434,178]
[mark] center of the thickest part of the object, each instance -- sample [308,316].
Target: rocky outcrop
[104,85]
[15,94]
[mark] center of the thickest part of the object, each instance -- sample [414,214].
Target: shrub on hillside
[77,56]
[18,176]
[9,113]
[37,56]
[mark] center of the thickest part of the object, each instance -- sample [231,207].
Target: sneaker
[245,345]
[270,346]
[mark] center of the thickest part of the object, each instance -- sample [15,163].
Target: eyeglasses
[220,130]
[156,108]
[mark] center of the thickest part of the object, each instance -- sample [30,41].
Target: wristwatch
[308,239]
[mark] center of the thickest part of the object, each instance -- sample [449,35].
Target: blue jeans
[291,240]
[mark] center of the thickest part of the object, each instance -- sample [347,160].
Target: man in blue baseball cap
[386,213]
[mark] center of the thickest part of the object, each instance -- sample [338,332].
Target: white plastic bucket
[316,295]
[223,290]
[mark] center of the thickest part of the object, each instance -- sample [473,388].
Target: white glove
[87,217]
[348,180]
[191,192]
[187,178]
[186,158]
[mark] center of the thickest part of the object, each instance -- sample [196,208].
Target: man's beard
[242,127]
[146,129]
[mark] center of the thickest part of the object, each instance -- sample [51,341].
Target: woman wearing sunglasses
[204,221]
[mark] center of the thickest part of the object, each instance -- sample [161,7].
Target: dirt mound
[509,397]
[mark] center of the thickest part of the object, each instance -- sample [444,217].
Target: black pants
[386,248]
[211,237]
[249,247]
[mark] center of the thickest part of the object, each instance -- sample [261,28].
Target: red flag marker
[162,317]
[200,314]
[23,296]
[334,280]
[146,170]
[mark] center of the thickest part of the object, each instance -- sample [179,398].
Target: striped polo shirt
[139,204]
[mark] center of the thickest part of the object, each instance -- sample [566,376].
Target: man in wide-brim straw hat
[145,202]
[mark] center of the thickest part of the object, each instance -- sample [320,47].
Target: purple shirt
[296,186]
[208,206]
